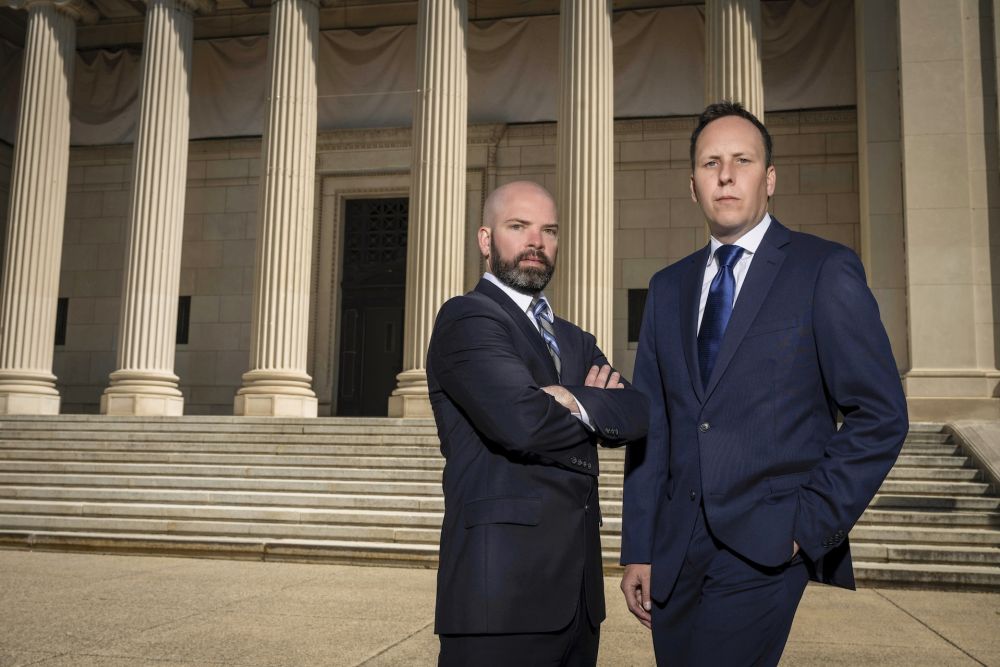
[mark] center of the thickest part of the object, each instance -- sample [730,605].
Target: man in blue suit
[521,399]
[745,488]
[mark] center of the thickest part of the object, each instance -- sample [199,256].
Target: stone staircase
[368,491]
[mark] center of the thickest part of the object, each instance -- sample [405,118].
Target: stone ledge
[980,439]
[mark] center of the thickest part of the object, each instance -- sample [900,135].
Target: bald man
[521,399]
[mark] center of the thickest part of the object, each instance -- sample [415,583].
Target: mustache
[533,254]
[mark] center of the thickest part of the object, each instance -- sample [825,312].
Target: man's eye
[551,232]
[711,163]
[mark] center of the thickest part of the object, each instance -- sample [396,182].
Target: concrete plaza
[89,610]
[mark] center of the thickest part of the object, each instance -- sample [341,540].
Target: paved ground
[88,610]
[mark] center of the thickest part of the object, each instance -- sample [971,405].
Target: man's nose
[535,238]
[725,173]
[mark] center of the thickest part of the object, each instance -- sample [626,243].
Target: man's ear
[694,195]
[483,237]
[772,179]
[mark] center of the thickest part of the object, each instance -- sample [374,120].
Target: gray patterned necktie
[543,316]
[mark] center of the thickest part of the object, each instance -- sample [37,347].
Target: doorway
[372,298]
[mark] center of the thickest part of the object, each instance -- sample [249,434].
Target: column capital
[193,6]
[80,10]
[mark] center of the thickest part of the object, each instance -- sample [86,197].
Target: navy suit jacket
[759,445]
[520,537]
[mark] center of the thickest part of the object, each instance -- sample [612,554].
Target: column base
[275,394]
[28,393]
[135,393]
[943,395]
[410,399]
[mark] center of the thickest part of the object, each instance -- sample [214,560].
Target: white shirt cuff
[583,416]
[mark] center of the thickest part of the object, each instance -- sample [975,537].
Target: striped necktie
[543,316]
[718,308]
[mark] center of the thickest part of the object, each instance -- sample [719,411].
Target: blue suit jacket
[759,445]
[520,536]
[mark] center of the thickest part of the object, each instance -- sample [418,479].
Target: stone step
[936,474]
[228,483]
[235,460]
[228,513]
[951,518]
[899,501]
[926,535]
[909,574]
[202,527]
[355,501]
[255,472]
[217,424]
[929,487]
[930,450]
[336,551]
[326,448]
[234,440]
[922,553]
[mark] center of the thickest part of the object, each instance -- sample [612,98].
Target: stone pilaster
[585,168]
[144,382]
[277,384]
[437,198]
[33,248]
[733,52]
[949,210]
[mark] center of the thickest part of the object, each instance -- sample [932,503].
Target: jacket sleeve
[646,459]
[860,378]
[476,364]
[618,415]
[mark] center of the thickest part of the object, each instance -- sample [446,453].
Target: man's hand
[635,586]
[603,378]
[563,397]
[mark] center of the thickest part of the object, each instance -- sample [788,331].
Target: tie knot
[728,255]
[540,308]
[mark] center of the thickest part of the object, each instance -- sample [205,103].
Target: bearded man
[521,400]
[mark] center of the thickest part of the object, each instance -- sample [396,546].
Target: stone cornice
[398,137]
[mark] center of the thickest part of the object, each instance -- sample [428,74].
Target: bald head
[502,198]
[520,235]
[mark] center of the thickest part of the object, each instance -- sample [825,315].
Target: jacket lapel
[522,322]
[689,301]
[763,270]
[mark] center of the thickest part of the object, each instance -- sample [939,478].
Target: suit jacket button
[572,460]
[704,426]
[692,495]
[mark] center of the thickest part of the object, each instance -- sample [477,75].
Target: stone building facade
[305,267]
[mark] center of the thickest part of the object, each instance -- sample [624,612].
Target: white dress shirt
[749,242]
[523,302]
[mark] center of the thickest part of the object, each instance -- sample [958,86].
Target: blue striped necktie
[718,308]
[543,316]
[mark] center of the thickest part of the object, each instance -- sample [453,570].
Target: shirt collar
[749,241]
[522,300]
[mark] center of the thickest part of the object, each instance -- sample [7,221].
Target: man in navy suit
[521,399]
[745,487]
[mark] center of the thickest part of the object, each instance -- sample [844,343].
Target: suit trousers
[724,610]
[573,646]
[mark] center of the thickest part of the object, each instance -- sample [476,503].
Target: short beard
[528,281]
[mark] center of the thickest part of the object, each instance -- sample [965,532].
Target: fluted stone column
[733,52]
[33,248]
[144,382]
[585,168]
[277,384]
[437,197]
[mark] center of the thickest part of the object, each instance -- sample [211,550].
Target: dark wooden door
[372,297]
